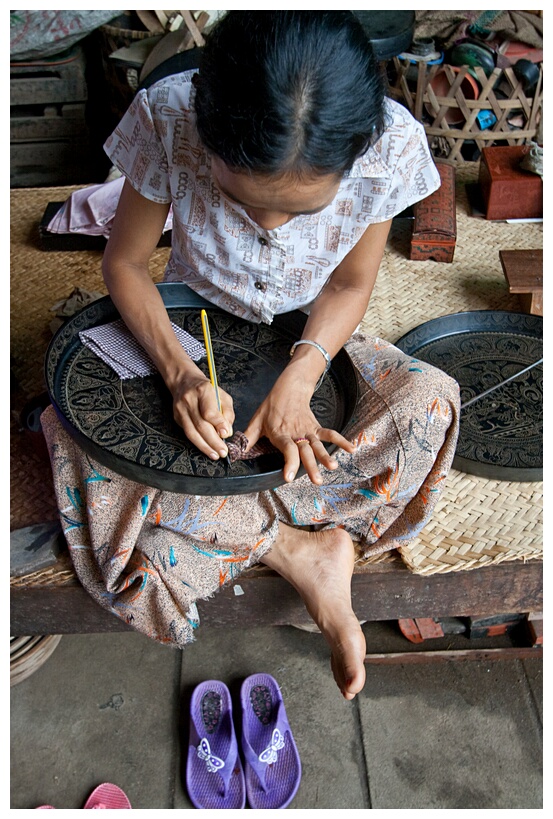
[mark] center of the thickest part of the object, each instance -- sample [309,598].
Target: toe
[350,677]
[348,663]
[354,685]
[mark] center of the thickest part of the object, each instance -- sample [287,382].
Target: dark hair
[289,91]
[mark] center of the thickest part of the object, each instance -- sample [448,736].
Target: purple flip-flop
[273,768]
[214,773]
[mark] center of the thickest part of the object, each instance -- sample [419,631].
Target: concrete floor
[113,707]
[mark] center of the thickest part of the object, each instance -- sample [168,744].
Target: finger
[321,454]
[253,433]
[218,418]
[333,437]
[308,454]
[205,437]
[291,458]
[227,408]
[218,422]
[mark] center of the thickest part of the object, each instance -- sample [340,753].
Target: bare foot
[319,565]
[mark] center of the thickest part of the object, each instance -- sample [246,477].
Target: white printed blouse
[217,250]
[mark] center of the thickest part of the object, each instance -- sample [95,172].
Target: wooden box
[508,191]
[54,80]
[435,225]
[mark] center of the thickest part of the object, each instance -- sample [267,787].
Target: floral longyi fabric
[149,555]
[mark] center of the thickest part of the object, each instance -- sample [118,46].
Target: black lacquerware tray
[501,434]
[128,425]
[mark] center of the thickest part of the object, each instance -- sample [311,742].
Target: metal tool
[501,383]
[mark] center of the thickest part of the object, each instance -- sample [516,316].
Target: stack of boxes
[49,140]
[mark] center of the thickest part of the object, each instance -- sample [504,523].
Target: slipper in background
[273,768]
[214,773]
[107,796]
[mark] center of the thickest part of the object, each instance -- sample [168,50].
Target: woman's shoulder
[401,130]
[397,115]
[157,137]
[167,108]
[172,92]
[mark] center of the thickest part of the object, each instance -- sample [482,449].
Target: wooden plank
[385,591]
[48,87]
[50,122]
[455,656]
[66,610]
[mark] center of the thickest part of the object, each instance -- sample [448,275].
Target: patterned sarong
[148,555]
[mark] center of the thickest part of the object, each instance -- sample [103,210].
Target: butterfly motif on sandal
[270,754]
[213,762]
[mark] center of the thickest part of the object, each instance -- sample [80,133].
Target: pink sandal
[107,796]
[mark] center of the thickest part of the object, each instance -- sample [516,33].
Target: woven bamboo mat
[478,522]
[39,279]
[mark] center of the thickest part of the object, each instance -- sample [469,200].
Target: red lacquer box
[508,191]
[435,223]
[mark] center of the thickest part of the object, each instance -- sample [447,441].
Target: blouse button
[262,240]
[260,286]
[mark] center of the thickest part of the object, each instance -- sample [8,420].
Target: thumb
[252,433]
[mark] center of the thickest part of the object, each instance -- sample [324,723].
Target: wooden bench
[481,552]
[54,602]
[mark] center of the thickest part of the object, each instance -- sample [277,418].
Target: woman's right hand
[136,229]
[195,410]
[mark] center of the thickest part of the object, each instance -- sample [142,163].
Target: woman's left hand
[285,418]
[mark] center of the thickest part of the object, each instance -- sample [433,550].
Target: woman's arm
[342,303]
[285,414]
[137,226]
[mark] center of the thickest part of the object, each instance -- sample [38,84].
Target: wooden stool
[523,270]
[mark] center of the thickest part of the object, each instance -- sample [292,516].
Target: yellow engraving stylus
[211,362]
